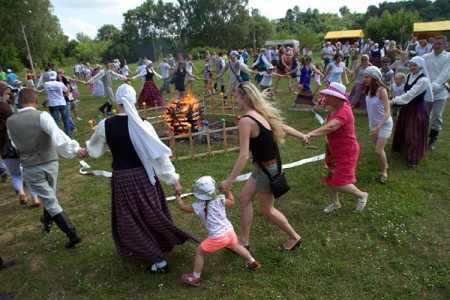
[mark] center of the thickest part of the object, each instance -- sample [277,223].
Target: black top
[419,98]
[262,146]
[149,75]
[119,142]
[179,80]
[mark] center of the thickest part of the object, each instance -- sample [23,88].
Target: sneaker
[190,279]
[253,266]
[331,208]
[432,145]
[79,119]
[361,204]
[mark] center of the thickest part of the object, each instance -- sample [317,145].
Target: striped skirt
[411,132]
[142,225]
[150,95]
[305,96]
[357,98]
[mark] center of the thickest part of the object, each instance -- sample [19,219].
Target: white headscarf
[421,63]
[143,136]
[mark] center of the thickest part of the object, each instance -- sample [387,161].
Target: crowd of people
[413,86]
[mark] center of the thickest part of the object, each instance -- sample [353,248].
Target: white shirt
[417,89]
[439,72]
[162,165]
[144,72]
[327,52]
[55,92]
[164,67]
[63,145]
[124,70]
[216,222]
[264,59]
[267,78]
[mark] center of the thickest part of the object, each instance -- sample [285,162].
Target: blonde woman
[260,129]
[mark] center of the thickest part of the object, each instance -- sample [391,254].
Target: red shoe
[190,279]
[253,266]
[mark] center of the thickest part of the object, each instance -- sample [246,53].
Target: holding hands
[82,152]
[177,188]
[306,140]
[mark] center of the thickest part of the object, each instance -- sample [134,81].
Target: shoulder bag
[278,182]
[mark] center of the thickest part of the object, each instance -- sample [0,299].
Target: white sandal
[331,208]
[361,204]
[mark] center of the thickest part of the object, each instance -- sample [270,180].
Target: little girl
[211,210]
[378,111]
[398,89]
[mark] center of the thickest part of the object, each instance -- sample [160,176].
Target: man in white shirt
[55,94]
[438,66]
[219,64]
[327,54]
[164,67]
[234,68]
[39,141]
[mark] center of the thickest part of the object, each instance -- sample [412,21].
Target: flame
[181,112]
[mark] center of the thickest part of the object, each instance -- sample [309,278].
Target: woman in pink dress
[342,149]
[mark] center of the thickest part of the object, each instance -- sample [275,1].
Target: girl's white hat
[205,188]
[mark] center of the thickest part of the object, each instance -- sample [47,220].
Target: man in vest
[39,141]
[107,75]
[219,64]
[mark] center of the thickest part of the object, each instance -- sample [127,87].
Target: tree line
[156,28]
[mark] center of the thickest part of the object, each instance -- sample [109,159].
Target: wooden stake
[208,140]
[145,111]
[191,141]
[224,133]
[223,106]
[172,144]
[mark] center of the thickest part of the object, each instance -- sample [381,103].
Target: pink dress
[343,150]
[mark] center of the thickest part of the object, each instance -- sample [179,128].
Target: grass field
[398,248]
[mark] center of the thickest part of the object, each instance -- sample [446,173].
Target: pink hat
[335,89]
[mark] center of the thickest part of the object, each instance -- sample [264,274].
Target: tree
[107,32]
[41,27]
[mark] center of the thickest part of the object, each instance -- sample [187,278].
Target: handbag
[8,150]
[278,183]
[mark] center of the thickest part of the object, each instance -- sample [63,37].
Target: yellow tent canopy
[335,35]
[438,26]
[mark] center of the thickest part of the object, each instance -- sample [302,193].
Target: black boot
[433,138]
[46,220]
[68,228]
[102,108]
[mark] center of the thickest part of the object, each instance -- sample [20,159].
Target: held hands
[177,188]
[82,152]
[225,186]
[306,140]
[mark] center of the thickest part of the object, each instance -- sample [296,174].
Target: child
[211,210]
[398,89]
[378,111]
[387,75]
[266,81]
[208,79]
[317,76]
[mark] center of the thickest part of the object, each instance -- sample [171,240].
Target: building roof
[432,26]
[332,35]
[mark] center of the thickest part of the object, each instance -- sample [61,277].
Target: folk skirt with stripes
[411,132]
[142,226]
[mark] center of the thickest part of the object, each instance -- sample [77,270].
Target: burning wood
[181,112]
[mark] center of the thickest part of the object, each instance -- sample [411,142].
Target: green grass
[398,248]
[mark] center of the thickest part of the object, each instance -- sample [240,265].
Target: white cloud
[72,26]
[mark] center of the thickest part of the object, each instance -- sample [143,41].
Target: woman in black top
[142,225]
[179,76]
[259,130]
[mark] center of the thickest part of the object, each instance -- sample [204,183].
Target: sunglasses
[241,86]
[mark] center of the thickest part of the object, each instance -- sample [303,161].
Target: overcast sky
[88,16]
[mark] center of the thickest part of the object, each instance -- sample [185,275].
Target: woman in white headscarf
[142,226]
[411,129]
[378,110]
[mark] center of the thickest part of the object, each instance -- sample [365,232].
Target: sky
[88,16]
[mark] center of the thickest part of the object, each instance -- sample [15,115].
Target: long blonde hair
[256,100]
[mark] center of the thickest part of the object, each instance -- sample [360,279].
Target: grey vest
[34,145]
[107,80]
